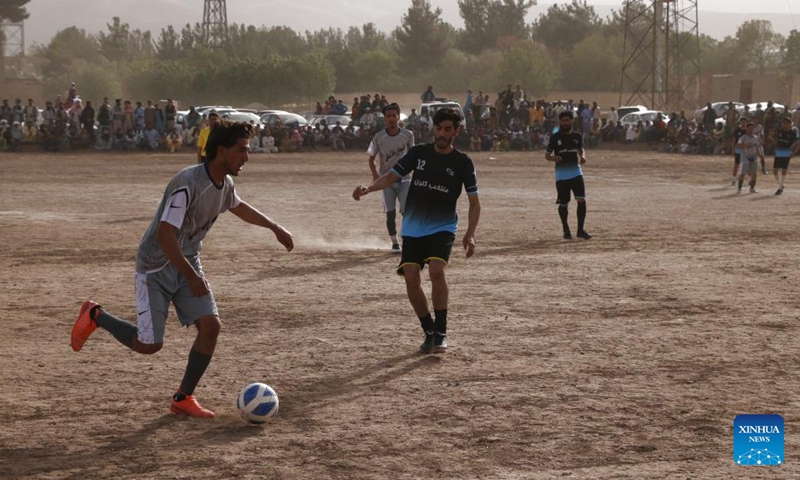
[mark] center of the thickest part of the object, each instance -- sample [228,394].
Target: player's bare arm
[172,249]
[252,216]
[382,182]
[373,168]
[474,217]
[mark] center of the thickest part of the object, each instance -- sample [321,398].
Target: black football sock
[753,183]
[390,222]
[427,323]
[123,331]
[441,321]
[563,212]
[741,182]
[198,362]
[581,215]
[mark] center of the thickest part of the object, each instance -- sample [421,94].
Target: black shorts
[781,162]
[421,250]
[574,186]
[737,158]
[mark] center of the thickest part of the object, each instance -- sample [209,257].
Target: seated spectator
[268,142]
[150,139]
[337,136]
[174,140]
[255,144]
[30,132]
[475,141]
[104,140]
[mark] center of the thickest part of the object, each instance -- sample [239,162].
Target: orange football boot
[84,325]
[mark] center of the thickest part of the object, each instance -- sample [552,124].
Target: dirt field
[626,356]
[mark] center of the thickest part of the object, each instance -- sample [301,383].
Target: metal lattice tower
[12,47]
[661,55]
[215,23]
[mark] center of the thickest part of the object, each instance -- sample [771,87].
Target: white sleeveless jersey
[191,203]
[390,148]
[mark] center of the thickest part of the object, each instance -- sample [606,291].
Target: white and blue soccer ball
[258,403]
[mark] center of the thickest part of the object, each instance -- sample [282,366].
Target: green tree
[95,80]
[13,11]
[791,54]
[65,48]
[486,21]
[529,65]
[758,45]
[592,64]
[421,37]
[168,44]
[564,26]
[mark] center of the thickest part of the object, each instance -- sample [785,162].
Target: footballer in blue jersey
[786,144]
[439,173]
[565,149]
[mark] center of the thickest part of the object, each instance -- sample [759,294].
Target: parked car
[720,108]
[754,106]
[246,117]
[622,111]
[644,117]
[288,119]
[330,120]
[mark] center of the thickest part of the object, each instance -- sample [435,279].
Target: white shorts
[398,191]
[156,290]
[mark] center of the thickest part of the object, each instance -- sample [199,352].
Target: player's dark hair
[391,106]
[566,113]
[445,114]
[226,134]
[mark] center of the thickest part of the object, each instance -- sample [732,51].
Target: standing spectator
[192,118]
[138,118]
[48,115]
[161,119]
[613,116]
[128,121]
[103,115]
[18,112]
[428,95]
[118,115]
[73,93]
[202,139]
[796,115]
[149,115]
[170,112]
[87,120]
[5,111]
[31,112]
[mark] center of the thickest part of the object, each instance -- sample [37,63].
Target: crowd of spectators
[508,121]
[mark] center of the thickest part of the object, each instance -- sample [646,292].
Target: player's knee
[209,326]
[146,348]
[436,270]
[412,276]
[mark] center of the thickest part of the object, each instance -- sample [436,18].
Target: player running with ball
[168,266]
[430,220]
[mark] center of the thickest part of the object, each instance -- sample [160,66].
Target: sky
[718,18]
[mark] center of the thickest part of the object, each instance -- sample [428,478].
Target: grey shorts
[748,167]
[398,191]
[156,290]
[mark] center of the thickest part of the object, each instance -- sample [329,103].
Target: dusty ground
[627,356]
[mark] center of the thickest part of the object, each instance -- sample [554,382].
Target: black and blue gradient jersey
[568,146]
[784,140]
[435,188]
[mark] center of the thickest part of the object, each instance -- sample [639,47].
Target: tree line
[569,47]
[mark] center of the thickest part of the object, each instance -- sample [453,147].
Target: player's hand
[284,237]
[360,191]
[469,245]
[198,286]
[557,158]
[583,160]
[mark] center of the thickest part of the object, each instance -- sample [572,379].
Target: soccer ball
[257,403]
